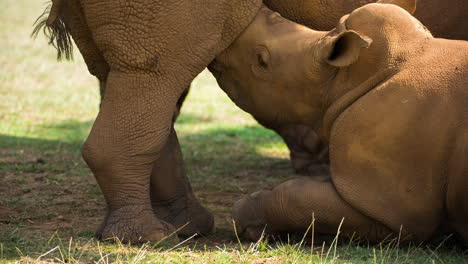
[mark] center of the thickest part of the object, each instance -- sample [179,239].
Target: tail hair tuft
[57,34]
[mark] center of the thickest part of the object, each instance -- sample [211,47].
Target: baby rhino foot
[134,224]
[249,216]
[186,214]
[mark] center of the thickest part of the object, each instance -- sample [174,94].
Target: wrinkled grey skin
[145,54]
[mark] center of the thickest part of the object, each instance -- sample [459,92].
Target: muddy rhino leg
[171,194]
[127,138]
[290,206]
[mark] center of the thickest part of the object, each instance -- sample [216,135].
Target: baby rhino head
[278,70]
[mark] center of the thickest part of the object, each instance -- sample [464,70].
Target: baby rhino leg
[290,206]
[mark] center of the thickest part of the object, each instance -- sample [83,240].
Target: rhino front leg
[309,155]
[171,194]
[291,205]
[126,140]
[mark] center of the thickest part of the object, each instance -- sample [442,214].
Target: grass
[50,203]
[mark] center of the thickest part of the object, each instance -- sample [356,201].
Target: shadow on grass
[67,135]
[229,149]
[49,168]
[218,151]
[217,148]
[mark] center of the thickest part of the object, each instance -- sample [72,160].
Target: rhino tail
[55,30]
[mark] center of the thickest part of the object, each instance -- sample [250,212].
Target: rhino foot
[186,214]
[135,224]
[249,216]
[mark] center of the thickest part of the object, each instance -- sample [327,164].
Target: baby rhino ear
[344,49]
[408,5]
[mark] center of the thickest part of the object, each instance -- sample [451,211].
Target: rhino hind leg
[172,197]
[291,206]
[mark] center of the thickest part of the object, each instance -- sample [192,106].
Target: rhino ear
[344,49]
[408,5]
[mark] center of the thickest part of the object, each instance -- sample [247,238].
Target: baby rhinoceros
[390,100]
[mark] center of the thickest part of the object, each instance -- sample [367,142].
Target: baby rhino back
[412,146]
[440,77]
[457,165]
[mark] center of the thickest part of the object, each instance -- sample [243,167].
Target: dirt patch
[44,195]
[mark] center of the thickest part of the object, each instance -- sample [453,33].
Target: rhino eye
[263,56]
[261,61]
[261,64]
